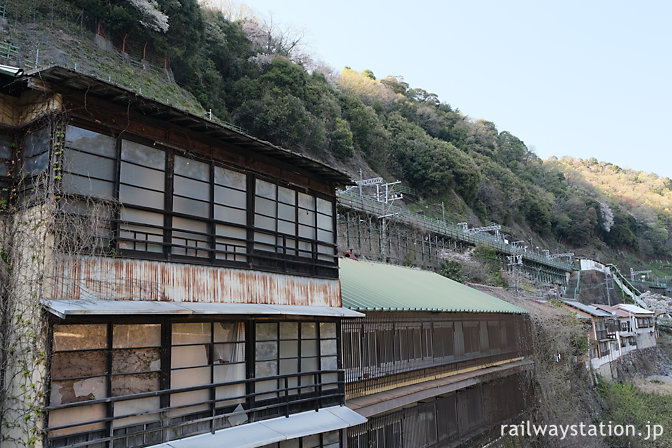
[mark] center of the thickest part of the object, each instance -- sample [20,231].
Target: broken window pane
[229,353]
[136,360]
[134,384]
[78,364]
[74,391]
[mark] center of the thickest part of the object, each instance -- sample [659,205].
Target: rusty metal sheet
[100,278]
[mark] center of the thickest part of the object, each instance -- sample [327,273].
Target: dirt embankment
[565,392]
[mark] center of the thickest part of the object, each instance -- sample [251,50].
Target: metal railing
[8,51]
[350,199]
[295,392]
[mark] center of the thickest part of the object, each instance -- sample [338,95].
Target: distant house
[603,342]
[434,362]
[614,331]
[625,334]
[642,322]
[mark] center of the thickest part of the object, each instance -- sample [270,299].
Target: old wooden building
[434,362]
[172,281]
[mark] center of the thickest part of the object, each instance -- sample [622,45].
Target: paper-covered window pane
[230,178]
[286,195]
[90,141]
[265,189]
[80,337]
[139,335]
[143,155]
[191,333]
[192,168]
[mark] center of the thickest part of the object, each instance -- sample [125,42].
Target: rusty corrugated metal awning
[83,307]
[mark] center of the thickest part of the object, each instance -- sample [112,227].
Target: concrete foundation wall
[645,340]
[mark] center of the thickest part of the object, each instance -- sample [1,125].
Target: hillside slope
[251,75]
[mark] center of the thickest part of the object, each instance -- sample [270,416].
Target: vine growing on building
[36,223]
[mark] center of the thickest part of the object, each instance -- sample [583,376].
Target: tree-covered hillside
[252,74]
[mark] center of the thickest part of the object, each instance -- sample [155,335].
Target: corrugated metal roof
[265,432]
[367,286]
[590,309]
[83,307]
[634,309]
[612,309]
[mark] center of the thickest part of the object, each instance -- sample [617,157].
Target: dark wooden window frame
[325,389]
[320,261]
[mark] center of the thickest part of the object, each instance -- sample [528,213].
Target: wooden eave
[62,79]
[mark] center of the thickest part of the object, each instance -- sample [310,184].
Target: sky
[576,78]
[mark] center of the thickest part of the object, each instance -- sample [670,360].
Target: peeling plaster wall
[31,257]
[28,107]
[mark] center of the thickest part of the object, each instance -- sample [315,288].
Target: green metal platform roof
[367,286]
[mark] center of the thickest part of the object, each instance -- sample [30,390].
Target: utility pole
[515,261]
[387,200]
